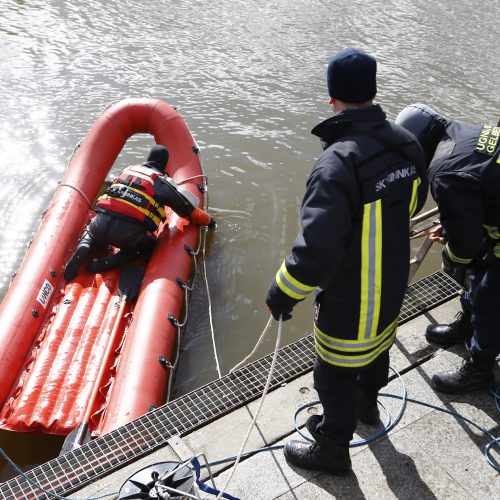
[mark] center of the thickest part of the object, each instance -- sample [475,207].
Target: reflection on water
[248,77]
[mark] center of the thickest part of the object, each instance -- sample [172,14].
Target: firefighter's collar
[338,124]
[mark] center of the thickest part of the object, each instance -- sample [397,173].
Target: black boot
[79,256]
[367,408]
[473,374]
[456,332]
[110,261]
[324,454]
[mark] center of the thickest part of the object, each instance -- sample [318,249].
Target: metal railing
[422,231]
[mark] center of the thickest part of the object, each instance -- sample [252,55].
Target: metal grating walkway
[426,294]
[183,415]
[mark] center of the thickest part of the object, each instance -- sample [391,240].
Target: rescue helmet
[157,158]
[425,124]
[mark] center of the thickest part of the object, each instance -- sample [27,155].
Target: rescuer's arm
[182,202]
[461,215]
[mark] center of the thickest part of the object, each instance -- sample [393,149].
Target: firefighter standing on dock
[464,175]
[354,247]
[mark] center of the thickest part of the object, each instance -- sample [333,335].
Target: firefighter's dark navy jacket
[465,182]
[354,244]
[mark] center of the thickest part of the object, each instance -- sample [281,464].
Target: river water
[248,76]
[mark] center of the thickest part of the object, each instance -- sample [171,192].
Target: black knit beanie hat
[351,76]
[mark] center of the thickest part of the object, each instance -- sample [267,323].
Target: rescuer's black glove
[279,303]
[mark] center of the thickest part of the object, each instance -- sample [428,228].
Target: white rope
[202,176]
[261,339]
[212,331]
[78,191]
[264,393]
[210,316]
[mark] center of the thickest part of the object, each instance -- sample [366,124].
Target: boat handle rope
[202,176]
[187,289]
[78,191]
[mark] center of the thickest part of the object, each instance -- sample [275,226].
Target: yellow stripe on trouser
[496,250]
[493,232]
[353,353]
[371,270]
[289,285]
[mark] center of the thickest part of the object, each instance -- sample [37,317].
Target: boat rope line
[85,197]
[181,416]
[201,248]
[210,315]
[199,176]
[179,326]
[207,287]
[78,191]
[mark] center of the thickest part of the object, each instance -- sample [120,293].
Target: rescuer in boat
[464,176]
[130,211]
[354,247]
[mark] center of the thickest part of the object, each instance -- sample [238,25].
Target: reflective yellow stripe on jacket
[371,270]
[353,353]
[289,285]
[414,196]
[455,258]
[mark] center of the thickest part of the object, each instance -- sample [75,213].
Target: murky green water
[248,77]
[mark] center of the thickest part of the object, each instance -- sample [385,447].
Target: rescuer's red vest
[132,194]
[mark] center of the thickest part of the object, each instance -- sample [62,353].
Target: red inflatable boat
[55,336]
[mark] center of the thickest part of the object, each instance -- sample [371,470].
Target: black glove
[212,223]
[280,314]
[279,303]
